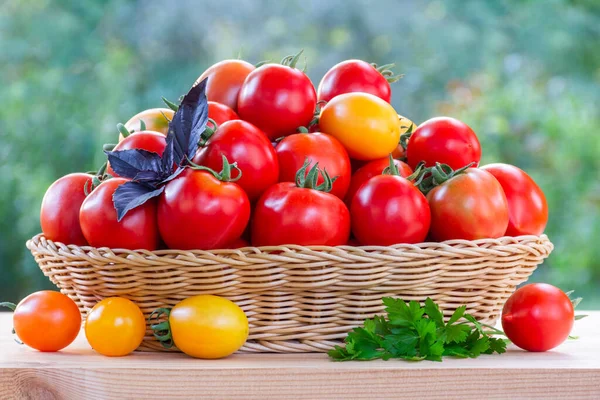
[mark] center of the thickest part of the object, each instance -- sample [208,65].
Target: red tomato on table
[249,147]
[469,206]
[443,140]
[527,206]
[371,169]
[320,148]
[59,216]
[98,217]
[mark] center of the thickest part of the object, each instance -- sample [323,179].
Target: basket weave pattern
[299,299]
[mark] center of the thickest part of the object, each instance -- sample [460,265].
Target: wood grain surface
[572,371]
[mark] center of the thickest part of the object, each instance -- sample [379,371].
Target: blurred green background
[524,74]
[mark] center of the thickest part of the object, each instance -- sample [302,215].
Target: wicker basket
[299,299]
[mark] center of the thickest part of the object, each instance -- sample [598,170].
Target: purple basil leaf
[148,176]
[132,194]
[174,175]
[189,122]
[128,163]
[167,156]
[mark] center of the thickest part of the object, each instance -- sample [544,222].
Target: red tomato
[527,207]
[277,99]
[354,76]
[238,244]
[389,209]
[318,148]
[242,142]
[198,211]
[146,140]
[444,140]
[371,169]
[47,320]
[225,79]
[220,113]
[294,213]
[98,218]
[59,216]
[469,206]
[538,317]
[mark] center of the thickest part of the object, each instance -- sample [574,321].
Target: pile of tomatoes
[283,163]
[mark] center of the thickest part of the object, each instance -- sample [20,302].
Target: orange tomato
[115,327]
[46,320]
[366,125]
[154,120]
[225,79]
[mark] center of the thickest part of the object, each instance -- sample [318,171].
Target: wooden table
[570,371]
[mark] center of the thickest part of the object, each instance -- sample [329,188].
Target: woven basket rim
[35,243]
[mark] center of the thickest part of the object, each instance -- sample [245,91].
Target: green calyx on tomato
[386,71]
[309,180]
[170,104]
[162,330]
[225,174]
[292,60]
[428,178]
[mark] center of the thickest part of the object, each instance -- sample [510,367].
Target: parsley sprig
[415,332]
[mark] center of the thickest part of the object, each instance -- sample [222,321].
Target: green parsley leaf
[433,312]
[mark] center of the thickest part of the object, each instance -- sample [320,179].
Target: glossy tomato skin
[468,206]
[156,120]
[147,140]
[538,317]
[367,126]
[293,150]
[47,321]
[199,212]
[444,140]
[225,80]
[388,210]
[527,206]
[115,327]
[277,99]
[59,215]
[208,327]
[353,76]
[220,113]
[242,142]
[371,169]
[286,214]
[98,218]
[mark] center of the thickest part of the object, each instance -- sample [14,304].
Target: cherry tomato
[444,140]
[220,113]
[354,76]
[296,213]
[59,216]
[371,169]
[249,147]
[469,206]
[320,148]
[199,211]
[46,321]
[115,327]
[406,127]
[152,141]
[156,120]
[389,209]
[98,218]
[238,244]
[527,207]
[225,79]
[207,326]
[538,317]
[277,99]
[366,125]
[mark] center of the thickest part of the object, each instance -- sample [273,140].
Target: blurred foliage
[524,74]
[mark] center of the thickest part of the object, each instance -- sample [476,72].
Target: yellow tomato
[406,125]
[115,327]
[154,120]
[208,326]
[366,125]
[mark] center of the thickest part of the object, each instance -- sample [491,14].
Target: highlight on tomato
[366,125]
[153,142]
[278,98]
[220,113]
[153,119]
[47,321]
[302,213]
[357,76]
[59,215]
[225,80]
[320,148]
[203,326]
[115,327]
